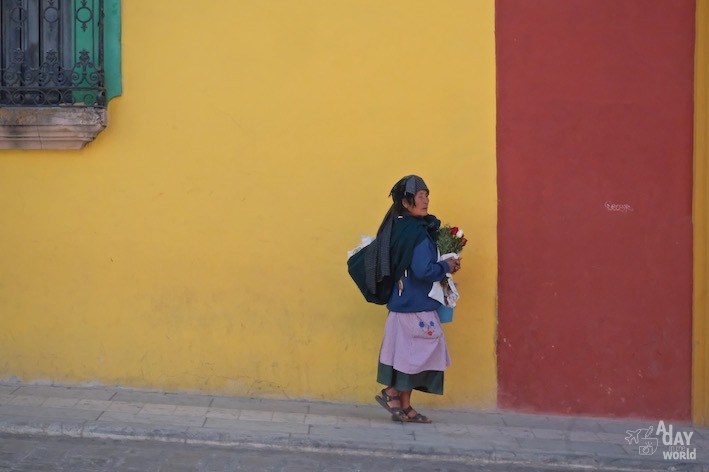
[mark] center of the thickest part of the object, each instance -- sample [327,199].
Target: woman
[413,355]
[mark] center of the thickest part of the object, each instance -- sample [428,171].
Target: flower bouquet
[451,241]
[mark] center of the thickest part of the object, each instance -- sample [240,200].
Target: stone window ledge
[50,128]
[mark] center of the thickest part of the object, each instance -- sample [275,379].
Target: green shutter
[87,48]
[112,48]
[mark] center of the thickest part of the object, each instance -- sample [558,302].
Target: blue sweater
[418,280]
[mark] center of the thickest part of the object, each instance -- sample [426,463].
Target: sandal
[384,400]
[418,418]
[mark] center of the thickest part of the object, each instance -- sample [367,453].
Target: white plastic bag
[366,241]
[445,291]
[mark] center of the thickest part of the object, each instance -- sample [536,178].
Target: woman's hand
[453,265]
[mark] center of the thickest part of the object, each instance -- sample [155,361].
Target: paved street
[207,432]
[26,454]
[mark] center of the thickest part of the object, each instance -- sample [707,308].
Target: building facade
[198,243]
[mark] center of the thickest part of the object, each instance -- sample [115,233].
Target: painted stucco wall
[700,353]
[200,242]
[595,177]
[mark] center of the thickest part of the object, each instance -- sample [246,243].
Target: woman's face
[420,207]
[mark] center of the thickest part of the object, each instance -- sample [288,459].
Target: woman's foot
[411,416]
[389,399]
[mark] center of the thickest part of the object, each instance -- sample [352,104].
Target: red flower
[465,241]
[454,230]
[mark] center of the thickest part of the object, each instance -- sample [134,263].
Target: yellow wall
[700,374]
[200,242]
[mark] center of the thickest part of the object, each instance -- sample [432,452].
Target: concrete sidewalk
[457,436]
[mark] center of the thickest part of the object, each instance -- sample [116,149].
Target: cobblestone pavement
[27,454]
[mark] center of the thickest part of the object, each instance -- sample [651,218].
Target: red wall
[594,139]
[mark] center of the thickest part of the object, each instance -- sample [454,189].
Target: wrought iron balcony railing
[52,53]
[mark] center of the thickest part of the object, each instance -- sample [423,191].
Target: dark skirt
[429,381]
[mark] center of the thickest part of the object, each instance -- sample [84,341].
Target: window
[59,66]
